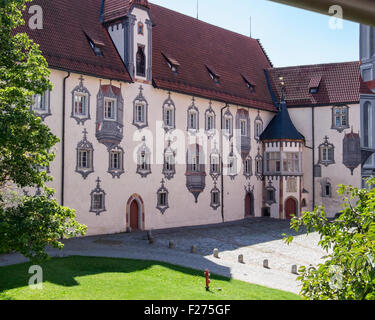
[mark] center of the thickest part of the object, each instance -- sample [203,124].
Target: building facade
[166,121]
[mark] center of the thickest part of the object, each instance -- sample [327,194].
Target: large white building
[167,121]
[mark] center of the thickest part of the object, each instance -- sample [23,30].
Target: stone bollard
[266,264]
[171,245]
[216,253]
[193,249]
[240,258]
[149,237]
[294,269]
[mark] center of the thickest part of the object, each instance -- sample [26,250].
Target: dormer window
[214,75]
[314,84]
[172,63]
[140,28]
[141,61]
[249,84]
[96,46]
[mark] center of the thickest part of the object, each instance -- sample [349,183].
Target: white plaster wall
[336,173]
[183,210]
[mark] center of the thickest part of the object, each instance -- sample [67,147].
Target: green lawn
[121,279]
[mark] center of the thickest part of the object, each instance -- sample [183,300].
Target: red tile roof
[195,45]
[339,83]
[63,39]
[115,9]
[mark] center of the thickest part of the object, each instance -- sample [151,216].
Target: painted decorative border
[97,191]
[169,104]
[192,108]
[140,99]
[116,173]
[85,145]
[334,127]
[81,89]
[332,147]
[162,189]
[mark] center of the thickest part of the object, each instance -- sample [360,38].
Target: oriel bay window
[291,162]
[273,162]
[282,163]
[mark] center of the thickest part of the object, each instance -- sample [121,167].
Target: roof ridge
[204,22]
[314,65]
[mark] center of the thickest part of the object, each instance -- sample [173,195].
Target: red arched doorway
[249,205]
[290,208]
[134,215]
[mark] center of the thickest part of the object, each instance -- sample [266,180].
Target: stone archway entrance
[249,205]
[291,208]
[135,213]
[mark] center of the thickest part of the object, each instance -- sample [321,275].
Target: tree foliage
[28,223]
[348,271]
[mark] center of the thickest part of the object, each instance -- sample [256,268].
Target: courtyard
[257,239]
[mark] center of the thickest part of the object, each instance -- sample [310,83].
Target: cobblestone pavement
[256,239]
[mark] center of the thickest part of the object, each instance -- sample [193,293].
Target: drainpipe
[222,162]
[313,152]
[63,142]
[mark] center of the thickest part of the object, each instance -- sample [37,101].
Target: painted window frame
[168,105]
[341,127]
[85,146]
[330,151]
[140,101]
[162,191]
[98,191]
[45,99]
[116,172]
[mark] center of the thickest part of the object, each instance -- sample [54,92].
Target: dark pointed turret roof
[281,126]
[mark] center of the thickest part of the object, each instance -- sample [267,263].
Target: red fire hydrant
[208,281]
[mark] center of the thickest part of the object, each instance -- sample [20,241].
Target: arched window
[141,61]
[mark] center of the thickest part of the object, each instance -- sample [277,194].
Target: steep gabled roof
[281,127]
[337,83]
[199,46]
[68,25]
[115,9]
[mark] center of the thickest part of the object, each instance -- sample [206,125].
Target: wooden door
[134,215]
[290,208]
[248,206]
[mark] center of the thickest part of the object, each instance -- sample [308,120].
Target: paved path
[256,239]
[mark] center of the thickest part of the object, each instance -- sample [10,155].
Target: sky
[290,36]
